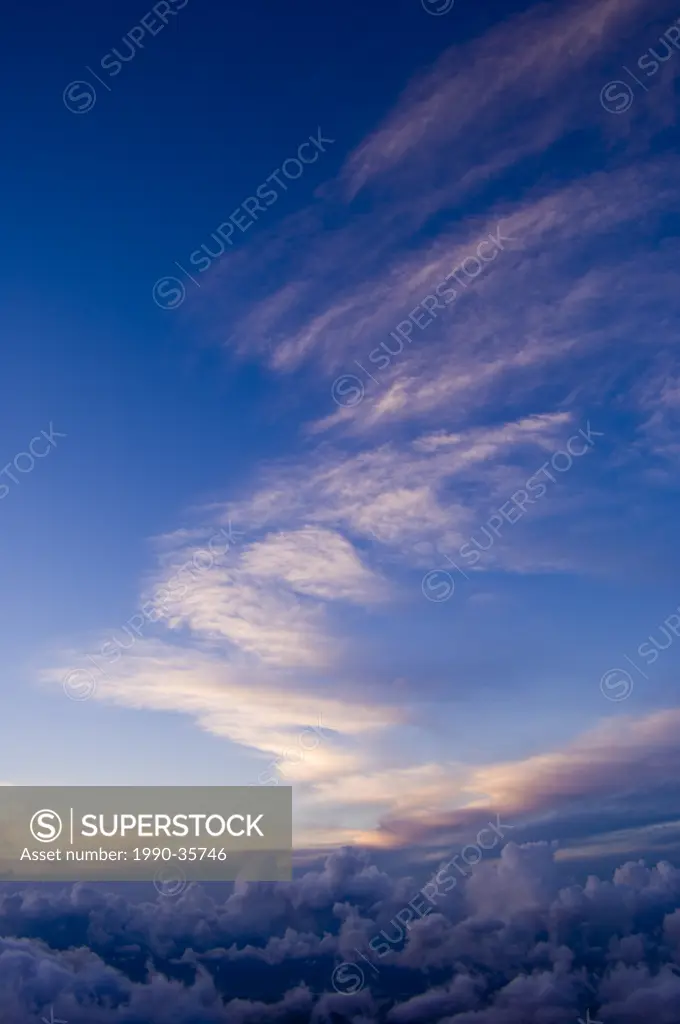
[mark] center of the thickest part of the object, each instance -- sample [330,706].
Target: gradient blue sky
[179,421]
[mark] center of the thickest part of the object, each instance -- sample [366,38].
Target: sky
[340,423]
[368,584]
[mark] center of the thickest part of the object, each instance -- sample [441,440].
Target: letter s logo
[46,826]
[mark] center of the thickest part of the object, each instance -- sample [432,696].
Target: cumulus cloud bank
[509,944]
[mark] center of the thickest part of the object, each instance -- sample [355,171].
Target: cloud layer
[510,943]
